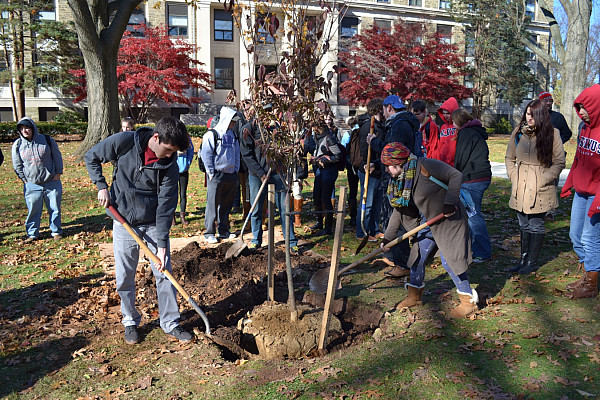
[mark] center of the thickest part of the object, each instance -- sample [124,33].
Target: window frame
[222,31]
[179,28]
[217,69]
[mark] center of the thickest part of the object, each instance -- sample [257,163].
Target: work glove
[449,210]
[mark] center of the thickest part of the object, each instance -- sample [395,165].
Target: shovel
[318,282]
[363,204]
[239,246]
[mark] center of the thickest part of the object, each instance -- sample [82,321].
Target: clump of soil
[269,328]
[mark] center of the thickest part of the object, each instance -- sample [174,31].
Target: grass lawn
[528,341]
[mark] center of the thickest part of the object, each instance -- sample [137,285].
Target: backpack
[216,139]
[354,149]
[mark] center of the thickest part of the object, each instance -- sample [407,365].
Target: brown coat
[533,185]
[428,198]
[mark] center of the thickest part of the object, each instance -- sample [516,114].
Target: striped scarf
[400,188]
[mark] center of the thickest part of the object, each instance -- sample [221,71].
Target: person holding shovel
[417,189]
[144,191]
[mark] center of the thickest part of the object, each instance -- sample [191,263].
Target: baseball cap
[394,101]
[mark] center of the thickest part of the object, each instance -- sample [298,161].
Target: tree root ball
[277,337]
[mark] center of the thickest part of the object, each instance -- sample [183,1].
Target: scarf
[400,188]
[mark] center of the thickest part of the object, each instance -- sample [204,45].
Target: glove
[595,207]
[449,210]
[385,241]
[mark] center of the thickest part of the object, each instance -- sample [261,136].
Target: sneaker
[30,239]
[227,235]
[131,335]
[211,239]
[294,250]
[56,237]
[254,246]
[380,235]
[181,335]
[372,239]
[479,260]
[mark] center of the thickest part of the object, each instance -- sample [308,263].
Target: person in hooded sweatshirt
[39,164]
[472,159]
[584,177]
[443,146]
[221,159]
[401,126]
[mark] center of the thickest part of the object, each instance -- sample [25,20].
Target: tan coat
[533,185]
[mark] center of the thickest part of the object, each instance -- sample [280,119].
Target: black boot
[328,230]
[525,236]
[535,248]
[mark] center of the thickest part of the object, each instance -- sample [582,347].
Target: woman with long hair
[534,159]
[472,159]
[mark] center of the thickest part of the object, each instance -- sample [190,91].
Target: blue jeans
[372,207]
[127,252]
[480,239]
[219,200]
[585,232]
[254,183]
[35,197]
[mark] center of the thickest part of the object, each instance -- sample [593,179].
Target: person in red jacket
[584,177]
[428,127]
[443,147]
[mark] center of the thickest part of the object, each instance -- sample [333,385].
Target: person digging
[414,195]
[144,190]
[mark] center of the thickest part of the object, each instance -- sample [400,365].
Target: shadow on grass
[21,371]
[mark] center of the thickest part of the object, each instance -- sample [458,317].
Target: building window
[383,1]
[445,5]
[48,113]
[177,17]
[223,73]
[6,114]
[349,27]
[263,31]
[530,8]
[445,31]
[138,17]
[416,3]
[383,24]
[223,26]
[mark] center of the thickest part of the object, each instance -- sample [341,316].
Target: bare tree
[571,53]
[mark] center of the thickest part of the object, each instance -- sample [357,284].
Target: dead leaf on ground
[143,383]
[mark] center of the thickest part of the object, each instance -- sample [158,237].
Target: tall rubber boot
[183,220]
[467,306]
[328,230]
[414,298]
[525,238]
[589,288]
[576,284]
[298,207]
[535,248]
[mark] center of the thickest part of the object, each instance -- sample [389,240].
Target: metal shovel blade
[236,249]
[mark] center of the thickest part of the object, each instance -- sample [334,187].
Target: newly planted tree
[409,61]
[155,67]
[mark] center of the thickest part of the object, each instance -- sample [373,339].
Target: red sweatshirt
[444,147]
[585,171]
[430,136]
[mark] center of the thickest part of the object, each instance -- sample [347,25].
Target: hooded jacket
[443,147]
[429,132]
[36,161]
[472,153]
[585,171]
[401,127]
[364,122]
[143,194]
[327,150]
[223,156]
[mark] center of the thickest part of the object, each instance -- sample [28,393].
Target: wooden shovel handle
[394,242]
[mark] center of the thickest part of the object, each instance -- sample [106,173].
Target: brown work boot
[298,208]
[174,220]
[576,284]
[183,220]
[467,306]
[397,272]
[414,298]
[589,288]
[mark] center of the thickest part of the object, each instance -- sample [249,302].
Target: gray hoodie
[36,161]
[223,156]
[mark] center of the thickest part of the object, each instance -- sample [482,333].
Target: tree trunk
[102,99]
[573,73]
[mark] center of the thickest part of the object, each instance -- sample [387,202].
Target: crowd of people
[404,167]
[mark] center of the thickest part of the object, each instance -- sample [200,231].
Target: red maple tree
[154,66]
[409,61]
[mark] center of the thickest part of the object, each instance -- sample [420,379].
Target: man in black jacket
[556,119]
[144,191]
